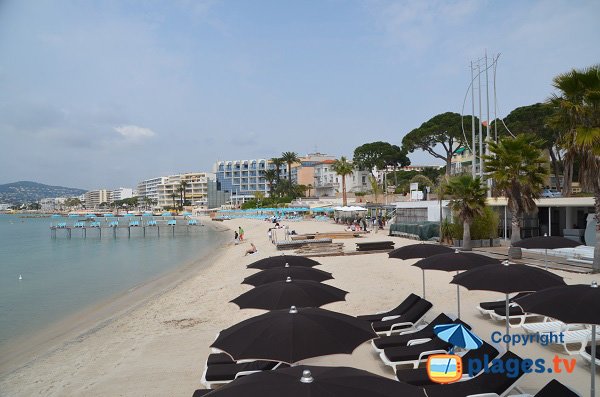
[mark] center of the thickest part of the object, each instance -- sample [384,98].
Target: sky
[103,94]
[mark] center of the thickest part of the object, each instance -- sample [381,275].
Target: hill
[27,192]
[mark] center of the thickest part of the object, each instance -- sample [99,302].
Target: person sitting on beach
[251,250]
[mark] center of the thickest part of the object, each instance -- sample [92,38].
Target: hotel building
[327,183]
[196,189]
[149,187]
[94,198]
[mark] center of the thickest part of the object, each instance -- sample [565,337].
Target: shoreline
[159,347]
[26,349]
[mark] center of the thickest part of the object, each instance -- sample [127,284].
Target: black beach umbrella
[421,250]
[546,243]
[572,304]
[313,381]
[507,278]
[283,261]
[282,273]
[454,262]
[284,294]
[292,335]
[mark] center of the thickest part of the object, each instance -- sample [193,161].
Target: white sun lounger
[550,325]
[575,337]
[587,356]
[521,317]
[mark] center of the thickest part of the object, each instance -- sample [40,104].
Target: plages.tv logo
[444,368]
[448,368]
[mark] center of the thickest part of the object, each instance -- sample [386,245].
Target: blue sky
[106,93]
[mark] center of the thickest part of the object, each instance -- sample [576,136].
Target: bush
[266,202]
[483,227]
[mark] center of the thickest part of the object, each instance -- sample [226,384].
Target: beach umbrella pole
[423,283]
[593,387]
[458,299]
[546,259]
[507,323]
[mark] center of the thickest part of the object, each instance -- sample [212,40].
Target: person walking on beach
[241,233]
[236,240]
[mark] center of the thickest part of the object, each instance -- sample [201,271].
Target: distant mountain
[27,192]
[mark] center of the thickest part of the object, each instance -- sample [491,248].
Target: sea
[45,279]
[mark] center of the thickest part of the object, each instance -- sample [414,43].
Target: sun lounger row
[221,369]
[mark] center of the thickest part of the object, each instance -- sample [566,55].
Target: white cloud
[134,132]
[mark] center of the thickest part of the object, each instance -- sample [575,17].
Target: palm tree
[375,187]
[270,176]
[468,201]
[519,169]
[174,197]
[343,167]
[578,104]
[290,158]
[309,187]
[183,185]
[277,162]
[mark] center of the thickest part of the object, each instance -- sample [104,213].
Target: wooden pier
[115,229]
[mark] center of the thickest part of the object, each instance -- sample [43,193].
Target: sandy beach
[157,346]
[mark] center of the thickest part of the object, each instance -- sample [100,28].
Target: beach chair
[413,354]
[411,319]
[218,374]
[552,389]
[484,384]
[201,392]
[549,325]
[486,308]
[579,337]
[514,313]
[424,334]
[398,310]
[586,354]
[420,377]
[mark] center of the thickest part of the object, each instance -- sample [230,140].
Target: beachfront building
[52,204]
[243,178]
[149,188]
[121,194]
[217,196]
[304,171]
[94,198]
[327,183]
[196,189]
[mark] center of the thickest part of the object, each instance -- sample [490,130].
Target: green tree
[536,120]
[290,158]
[270,176]
[183,187]
[277,162]
[443,130]
[397,157]
[468,201]
[519,169]
[578,106]
[309,187]
[174,197]
[343,167]
[375,187]
[373,155]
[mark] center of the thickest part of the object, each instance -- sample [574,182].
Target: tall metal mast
[473,148]
[480,131]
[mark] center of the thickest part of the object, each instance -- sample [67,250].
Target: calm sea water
[63,276]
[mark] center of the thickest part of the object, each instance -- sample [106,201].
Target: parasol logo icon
[444,368]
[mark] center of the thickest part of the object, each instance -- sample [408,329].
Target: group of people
[238,236]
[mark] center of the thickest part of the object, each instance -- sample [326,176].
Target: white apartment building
[52,204]
[121,194]
[94,198]
[327,183]
[196,189]
[149,187]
